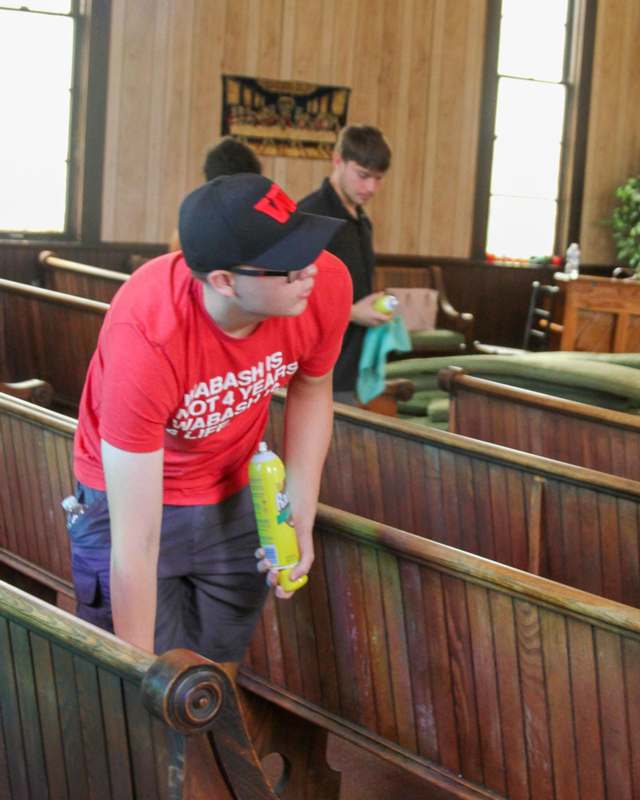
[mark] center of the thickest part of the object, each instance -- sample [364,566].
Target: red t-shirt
[165,375]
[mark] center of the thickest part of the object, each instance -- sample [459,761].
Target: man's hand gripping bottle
[271,505]
[386,304]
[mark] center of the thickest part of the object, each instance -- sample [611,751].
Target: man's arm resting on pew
[134,491]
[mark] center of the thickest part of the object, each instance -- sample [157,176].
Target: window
[531,104]
[36,72]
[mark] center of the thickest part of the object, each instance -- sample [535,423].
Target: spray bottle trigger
[287,584]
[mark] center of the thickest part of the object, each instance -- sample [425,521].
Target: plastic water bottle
[271,505]
[572,263]
[73,509]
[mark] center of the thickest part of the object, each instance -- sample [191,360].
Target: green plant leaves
[625,222]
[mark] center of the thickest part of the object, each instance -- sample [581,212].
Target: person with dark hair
[175,404]
[228,157]
[360,160]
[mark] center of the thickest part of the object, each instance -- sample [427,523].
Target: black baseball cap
[248,219]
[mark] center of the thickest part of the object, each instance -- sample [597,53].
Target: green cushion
[419,403]
[593,380]
[437,340]
[426,422]
[438,410]
[621,359]
[412,408]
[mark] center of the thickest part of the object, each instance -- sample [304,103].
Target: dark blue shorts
[210,593]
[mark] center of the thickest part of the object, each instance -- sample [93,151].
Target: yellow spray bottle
[271,505]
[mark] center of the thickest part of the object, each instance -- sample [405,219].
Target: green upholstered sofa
[607,380]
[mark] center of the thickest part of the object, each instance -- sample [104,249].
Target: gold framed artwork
[283,118]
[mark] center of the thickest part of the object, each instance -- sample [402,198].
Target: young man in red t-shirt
[174,406]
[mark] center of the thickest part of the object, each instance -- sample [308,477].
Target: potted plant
[625,223]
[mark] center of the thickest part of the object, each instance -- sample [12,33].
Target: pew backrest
[37,468]
[578,433]
[518,685]
[83,280]
[573,525]
[50,336]
[87,715]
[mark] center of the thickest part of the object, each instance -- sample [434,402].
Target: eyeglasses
[290,275]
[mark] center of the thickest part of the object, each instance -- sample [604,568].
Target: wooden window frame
[87,127]
[578,67]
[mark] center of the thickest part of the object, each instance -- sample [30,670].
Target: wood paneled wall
[415,69]
[613,148]
[414,66]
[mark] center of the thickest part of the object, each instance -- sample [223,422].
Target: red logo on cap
[276,204]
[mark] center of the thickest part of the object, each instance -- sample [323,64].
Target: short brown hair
[365,145]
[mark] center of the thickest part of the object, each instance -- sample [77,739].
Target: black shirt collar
[337,208]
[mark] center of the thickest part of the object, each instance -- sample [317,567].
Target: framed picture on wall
[283,118]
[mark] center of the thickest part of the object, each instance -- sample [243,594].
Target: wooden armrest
[387,402]
[400,388]
[462,322]
[34,390]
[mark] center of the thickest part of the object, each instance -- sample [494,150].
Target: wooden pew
[83,280]
[36,465]
[50,336]
[577,433]
[484,680]
[568,523]
[448,667]
[87,715]
[573,525]
[34,390]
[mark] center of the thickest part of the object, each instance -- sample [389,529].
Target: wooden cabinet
[599,315]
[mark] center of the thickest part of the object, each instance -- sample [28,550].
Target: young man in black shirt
[360,160]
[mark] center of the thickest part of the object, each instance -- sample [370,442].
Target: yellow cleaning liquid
[271,505]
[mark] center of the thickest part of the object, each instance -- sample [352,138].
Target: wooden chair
[541,331]
[540,325]
[452,331]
